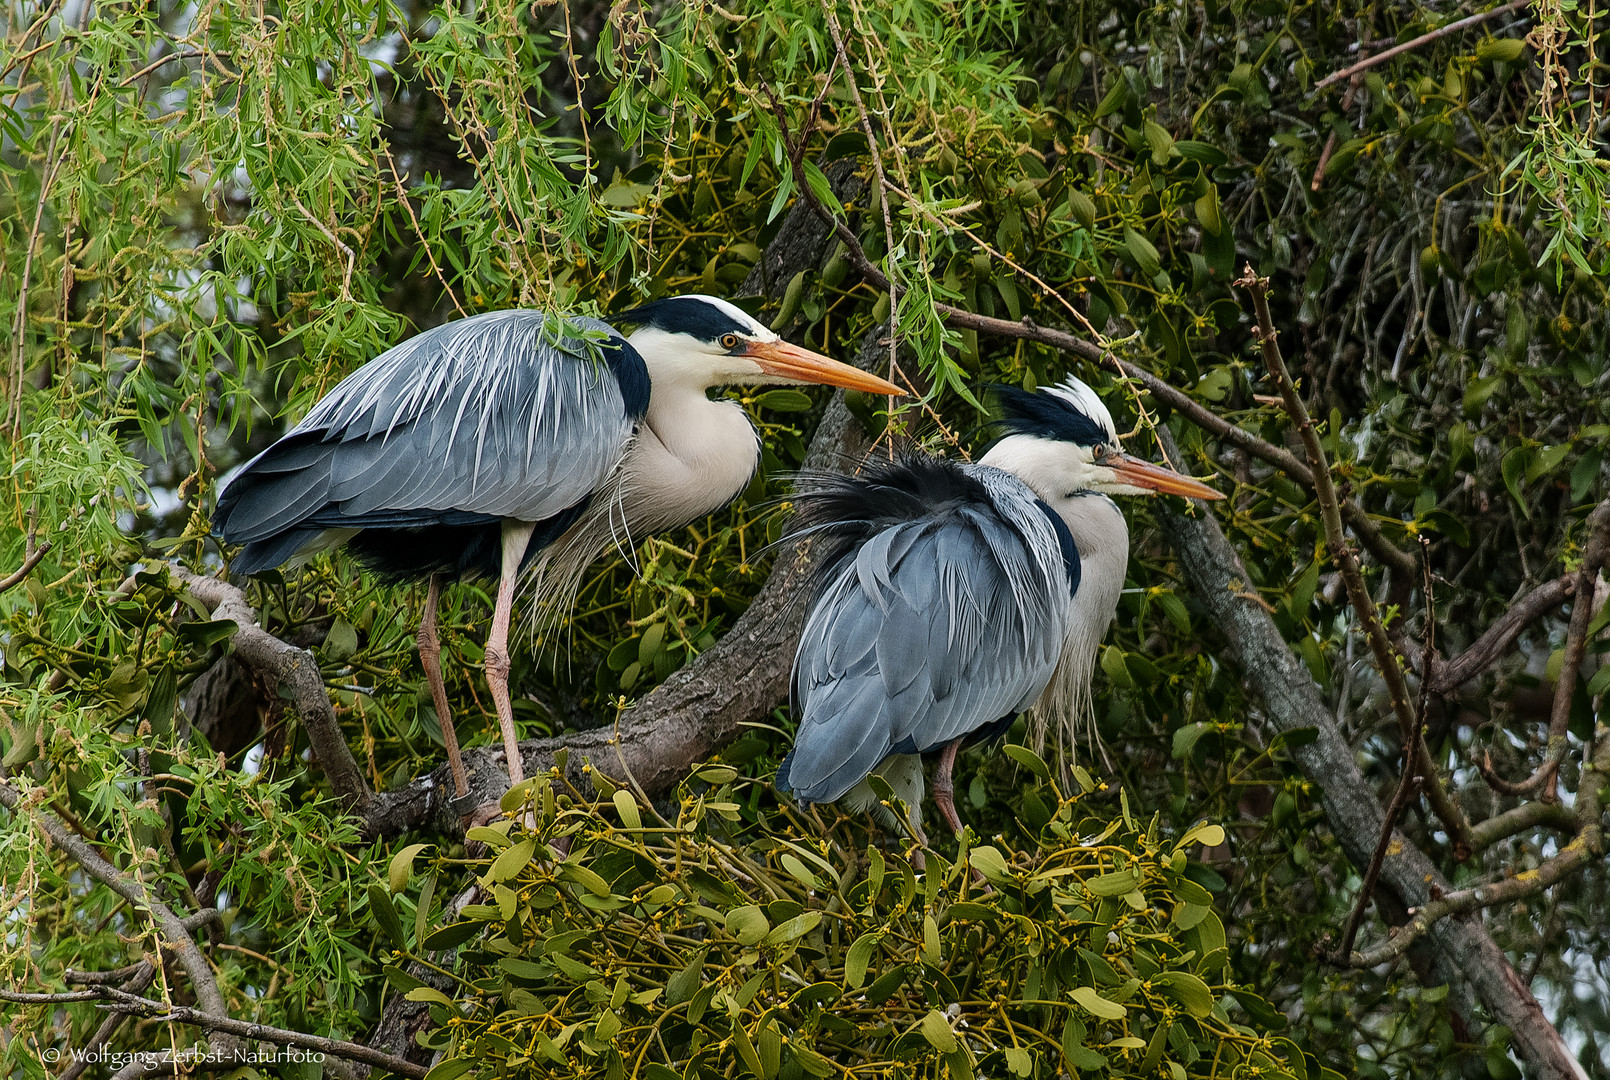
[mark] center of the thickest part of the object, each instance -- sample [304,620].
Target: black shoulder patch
[631,373]
[1048,416]
[684,315]
[1070,550]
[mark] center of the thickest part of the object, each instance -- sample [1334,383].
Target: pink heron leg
[430,655]
[945,788]
[516,535]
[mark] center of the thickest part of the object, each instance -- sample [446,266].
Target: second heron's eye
[729,341]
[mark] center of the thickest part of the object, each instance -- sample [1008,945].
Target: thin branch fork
[1423,39]
[1546,776]
[1409,783]
[1386,657]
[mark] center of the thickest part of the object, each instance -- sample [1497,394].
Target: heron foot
[484,814]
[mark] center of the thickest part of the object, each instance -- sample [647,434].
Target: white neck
[691,455]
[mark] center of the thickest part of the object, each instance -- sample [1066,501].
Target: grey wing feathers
[927,631]
[484,416]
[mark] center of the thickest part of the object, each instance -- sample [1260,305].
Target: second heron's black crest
[1048,415]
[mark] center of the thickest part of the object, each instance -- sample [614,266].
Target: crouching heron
[495,445]
[952,597]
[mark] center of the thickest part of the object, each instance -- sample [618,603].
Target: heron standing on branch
[953,597]
[495,445]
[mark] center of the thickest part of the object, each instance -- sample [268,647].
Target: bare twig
[189,54]
[1498,637]
[882,187]
[1546,775]
[402,197]
[329,234]
[1408,784]
[1386,658]
[1423,39]
[1330,143]
[31,554]
[1408,787]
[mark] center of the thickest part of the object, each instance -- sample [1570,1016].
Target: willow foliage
[214,211]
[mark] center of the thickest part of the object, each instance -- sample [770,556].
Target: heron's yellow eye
[729,341]
[1101,452]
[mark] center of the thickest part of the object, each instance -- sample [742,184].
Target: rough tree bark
[1292,701]
[296,673]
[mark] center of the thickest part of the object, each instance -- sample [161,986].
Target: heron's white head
[1063,443]
[704,341]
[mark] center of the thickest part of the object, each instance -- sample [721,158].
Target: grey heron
[952,597]
[495,447]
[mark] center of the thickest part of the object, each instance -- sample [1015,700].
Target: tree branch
[1496,640]
[1532,815]
[1386,658]
[1546,776]
[31,554]
[1291,701]
[1587,845]
[136,1005]
[172,932]
[1423,39]
[293,670]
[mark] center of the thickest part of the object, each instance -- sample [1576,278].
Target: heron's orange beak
[1143,474]
[787,361]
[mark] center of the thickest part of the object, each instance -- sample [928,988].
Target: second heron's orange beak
[785,361]
[1143,474]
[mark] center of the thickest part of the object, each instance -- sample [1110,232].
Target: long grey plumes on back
[475,420]
[934,617]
